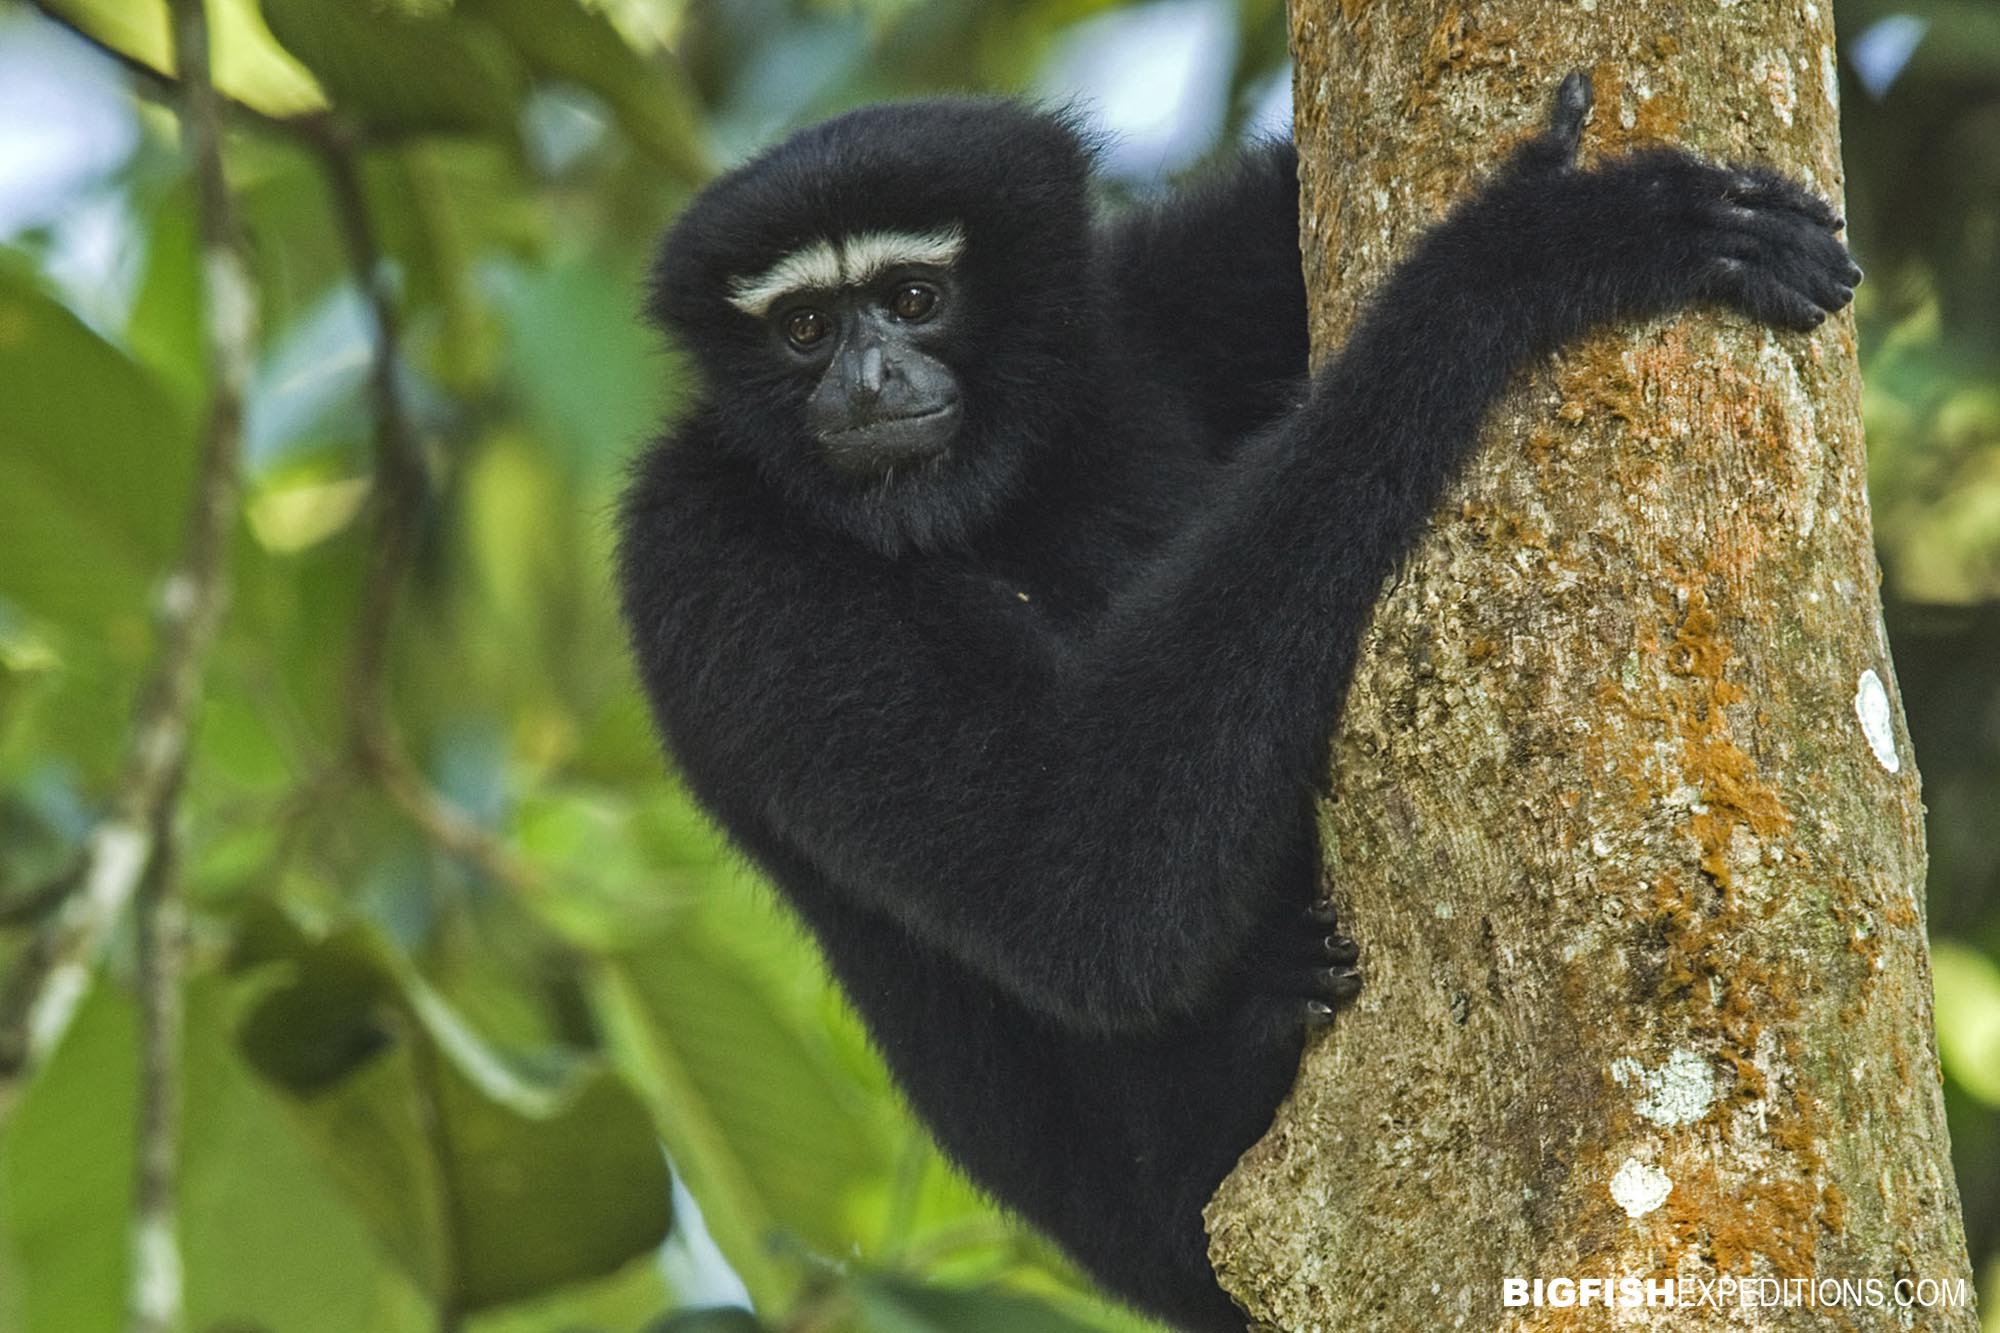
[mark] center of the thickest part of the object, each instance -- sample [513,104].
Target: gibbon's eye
[914,301]
[806,327]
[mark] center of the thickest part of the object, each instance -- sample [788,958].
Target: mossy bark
[1624,814]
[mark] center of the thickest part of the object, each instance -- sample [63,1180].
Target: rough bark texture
[1640,899]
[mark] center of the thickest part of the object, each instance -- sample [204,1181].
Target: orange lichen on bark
[1734,1002]
[1504,525]
[1595,380]
[1732,1223]
[1714,1212]
[1655,116]
[1732,794]
[1458,43]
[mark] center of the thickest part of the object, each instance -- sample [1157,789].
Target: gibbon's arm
[1098,829]
[1245,634]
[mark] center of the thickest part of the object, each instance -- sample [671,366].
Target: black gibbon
[999,592]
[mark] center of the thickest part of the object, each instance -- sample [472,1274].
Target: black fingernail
[1323,912]
[1318,1013]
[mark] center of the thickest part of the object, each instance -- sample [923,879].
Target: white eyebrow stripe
[870,254]
[817,265]
[849,262]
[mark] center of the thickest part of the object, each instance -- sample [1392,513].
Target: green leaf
[93,485]
[588,842]
[66,1175]
[485,1183]
[563,39]
[592,377]
[268,1239]
[163,328]
[769,1137]
[403,72]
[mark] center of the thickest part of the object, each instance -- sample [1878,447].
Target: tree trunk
[1624,812]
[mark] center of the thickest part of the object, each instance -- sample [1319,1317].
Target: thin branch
[448,827]
[229,322]
[41,995]
[402,483]
[401,478]
[156,1283]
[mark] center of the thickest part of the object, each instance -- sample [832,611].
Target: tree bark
[1624,813]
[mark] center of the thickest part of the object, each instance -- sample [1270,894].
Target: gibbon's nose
[870,373]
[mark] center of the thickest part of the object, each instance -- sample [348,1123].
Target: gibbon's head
[891,310]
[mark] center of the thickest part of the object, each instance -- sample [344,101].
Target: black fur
[1029,736]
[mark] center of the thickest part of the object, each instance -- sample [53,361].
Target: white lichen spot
[1639,1189]
[1829,74]
[1775,74]
[1679,1092]
[1587,6]
[1443,912]
[1871,706]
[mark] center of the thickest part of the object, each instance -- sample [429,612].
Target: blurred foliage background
[484,1030]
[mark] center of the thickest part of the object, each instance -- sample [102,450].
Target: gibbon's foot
[1554,149]
[1326,976]
[1573,98]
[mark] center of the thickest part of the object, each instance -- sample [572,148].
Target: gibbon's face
[866,317]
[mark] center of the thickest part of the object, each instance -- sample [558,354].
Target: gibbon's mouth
[890,442]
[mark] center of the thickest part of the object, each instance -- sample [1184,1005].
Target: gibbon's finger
[1760,187]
